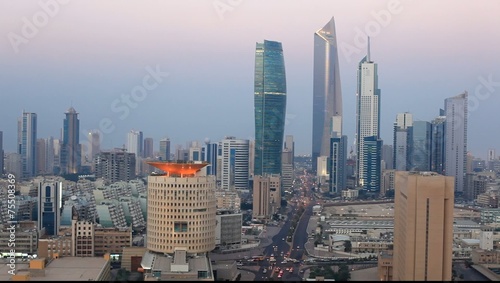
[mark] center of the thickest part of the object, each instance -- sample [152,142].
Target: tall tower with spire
[327,94]
[367,122]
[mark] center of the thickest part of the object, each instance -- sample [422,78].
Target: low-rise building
[228,230]
[178,267]
[480,256]
[24,235]
[66,269]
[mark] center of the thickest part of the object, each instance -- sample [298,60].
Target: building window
[180,226]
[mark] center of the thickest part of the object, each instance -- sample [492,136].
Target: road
[470,274]
[280,248]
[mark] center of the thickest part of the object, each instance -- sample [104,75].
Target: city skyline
[64,66]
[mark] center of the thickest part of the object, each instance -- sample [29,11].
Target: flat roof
[73,269]
[4,269]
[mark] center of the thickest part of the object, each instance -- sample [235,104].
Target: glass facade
[337,166]
[327,95]
[71,149]
[438,142]
[270,107]
[27,125]
[420,142]
[372,152]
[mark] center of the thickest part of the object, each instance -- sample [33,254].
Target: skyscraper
[372,157]
[438,154]
[270,107]
[388,156]
[49,155]
[26,140]
[423,226]
[1,154]
[95,146]
[234,163]
[41,154]
[327,95]
[71,148]
[135,145]
[211,157]
[165,149]
[400,142]
[148,148]
[290,149]
[49,206]
[420,146]
[367,110]
[338,161]
[455,110]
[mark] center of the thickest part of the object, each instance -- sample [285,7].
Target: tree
[347,246]
[343,274]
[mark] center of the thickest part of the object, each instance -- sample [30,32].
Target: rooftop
[73,269]
[178,167]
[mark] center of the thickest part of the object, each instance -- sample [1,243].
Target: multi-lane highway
[274,264]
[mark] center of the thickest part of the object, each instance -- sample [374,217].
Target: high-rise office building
[49,155]
[455,110]
[211,157]
[49,206]
[95,143]
[71,148]
[327,94]
[26,141]
[234,163]
[420,146]
[423,226]
[270,107]
[181,222]
[2,156]
[438,154]
[196,152]
[400,142]
[338,161]
[41,153]
[491,154]
[372,167]
[388,156]
[135,145]
[290,149]
[261,197]
[367,111]
[251,157]
[115,165]
[148,148]
[287,162]
[13,164]
[165,149]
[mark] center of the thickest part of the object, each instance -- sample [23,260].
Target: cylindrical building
[181,209]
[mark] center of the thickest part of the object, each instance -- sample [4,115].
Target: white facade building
[367,109]
[234,157]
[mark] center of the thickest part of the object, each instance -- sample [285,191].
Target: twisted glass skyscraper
[270,107]
[327,95]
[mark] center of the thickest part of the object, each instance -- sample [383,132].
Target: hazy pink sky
[91,51]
